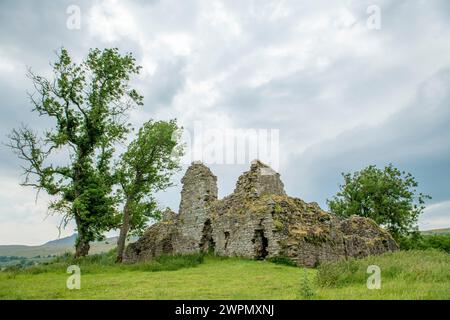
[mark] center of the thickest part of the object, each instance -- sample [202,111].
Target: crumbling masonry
[258,220]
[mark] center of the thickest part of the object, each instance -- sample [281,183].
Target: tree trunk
[82,245]
[123,233]
[82,248]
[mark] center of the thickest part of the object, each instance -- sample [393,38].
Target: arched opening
[227,237]
[260,245]
[207,242]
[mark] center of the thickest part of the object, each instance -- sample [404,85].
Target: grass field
[405,275]
[437,231]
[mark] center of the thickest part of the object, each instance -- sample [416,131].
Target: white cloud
[219,16]
[435,216]
[36,233]
[23,220]
[179,43]
[111,21]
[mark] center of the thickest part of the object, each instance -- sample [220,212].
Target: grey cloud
[342,97]
[165,83]
[416,139]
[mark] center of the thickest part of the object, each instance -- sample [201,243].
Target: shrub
[306,289]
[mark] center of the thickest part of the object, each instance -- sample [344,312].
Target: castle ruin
[258,220]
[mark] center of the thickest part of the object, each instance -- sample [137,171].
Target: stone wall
[157,240]
[198,192]
[258,220]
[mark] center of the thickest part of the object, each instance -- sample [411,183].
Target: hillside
[436,231]
[54,247]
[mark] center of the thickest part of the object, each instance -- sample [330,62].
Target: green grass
[105,263]
[405,275]
[411,274]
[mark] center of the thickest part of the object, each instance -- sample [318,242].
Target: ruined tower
[259,180]
[198,192]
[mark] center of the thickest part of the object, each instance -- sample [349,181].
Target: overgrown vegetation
[105,262]
[430,267]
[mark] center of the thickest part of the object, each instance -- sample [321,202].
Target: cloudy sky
[342,94]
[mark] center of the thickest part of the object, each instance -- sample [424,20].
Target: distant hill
[436,231]
[55,247]
[66,241]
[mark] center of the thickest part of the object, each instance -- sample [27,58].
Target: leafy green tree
[87,103]
[387,196]
[145,168]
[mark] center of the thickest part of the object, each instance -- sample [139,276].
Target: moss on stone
[279,226]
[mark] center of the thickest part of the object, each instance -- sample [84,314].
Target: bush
[415,265]
[306,289]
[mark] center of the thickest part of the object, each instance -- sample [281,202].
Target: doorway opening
[227,237]
[261,243]
[207,242]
